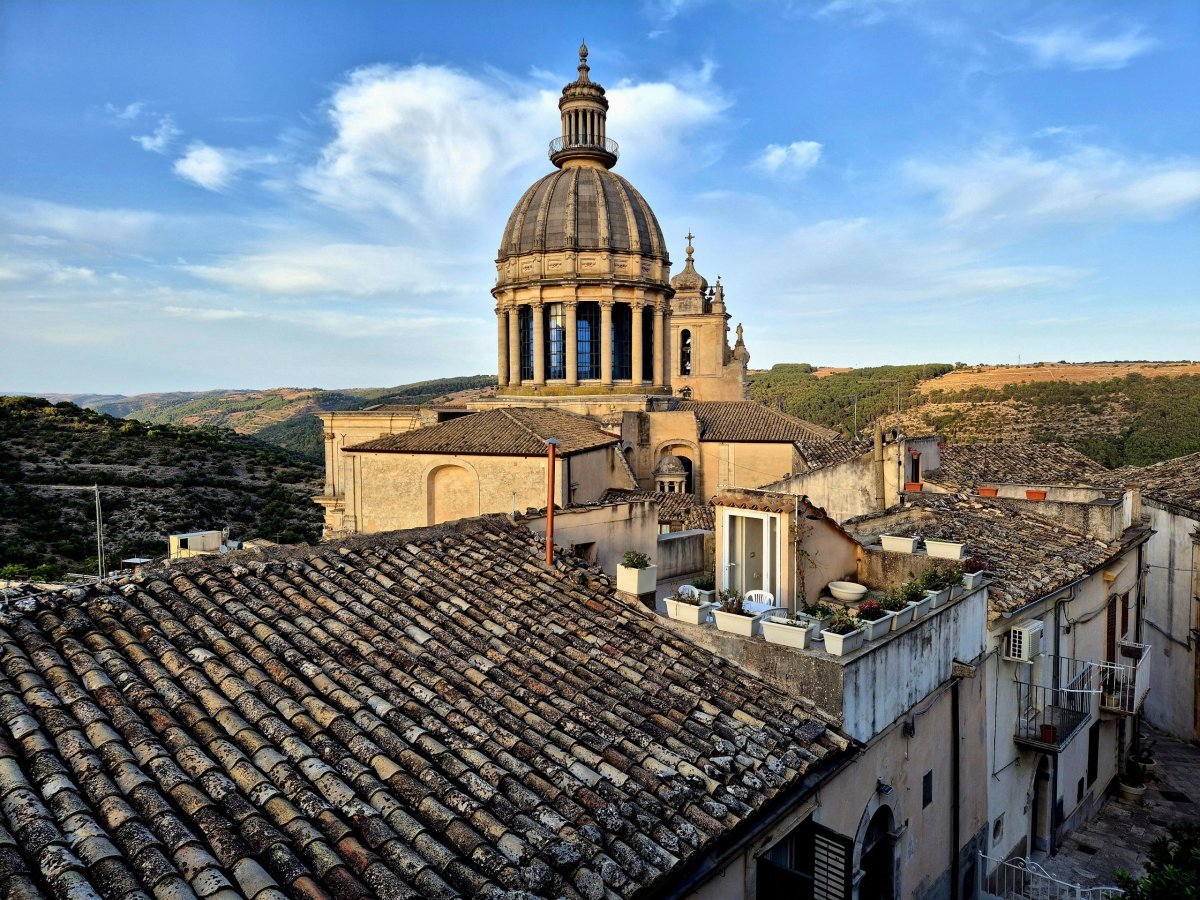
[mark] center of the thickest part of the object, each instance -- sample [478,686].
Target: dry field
[996,377]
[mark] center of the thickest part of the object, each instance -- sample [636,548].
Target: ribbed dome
[582,208]
[670,465]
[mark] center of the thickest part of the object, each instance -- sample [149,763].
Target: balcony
[1048,717]
[1124,685]
[570,146]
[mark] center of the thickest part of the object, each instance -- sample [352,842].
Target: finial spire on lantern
[583,65]
[690,248]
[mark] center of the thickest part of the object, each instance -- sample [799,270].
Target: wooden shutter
[1110,644]
[833,856]
[1125,615]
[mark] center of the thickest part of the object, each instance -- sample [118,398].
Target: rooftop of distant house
[743,421]
[1175,482]
[517,431]
[1029,556]
[966,466]
[679,509]
[431,713]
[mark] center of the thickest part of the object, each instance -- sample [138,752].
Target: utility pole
[99,534]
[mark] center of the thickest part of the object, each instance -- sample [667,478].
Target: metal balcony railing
[584,142]
[1023,879]
[1124,685]
[1048,717]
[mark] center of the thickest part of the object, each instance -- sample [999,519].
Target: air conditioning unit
[1024,642]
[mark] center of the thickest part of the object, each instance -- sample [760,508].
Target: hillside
[1124,413]
[280,416]
[154,479]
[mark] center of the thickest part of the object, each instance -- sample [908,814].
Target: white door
[751,551]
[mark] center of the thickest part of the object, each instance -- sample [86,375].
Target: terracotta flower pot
[988,491]
[914,486]
[1035,495]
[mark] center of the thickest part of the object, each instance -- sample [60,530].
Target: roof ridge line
[524,425]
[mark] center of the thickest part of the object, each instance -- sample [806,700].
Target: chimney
[1134,491]
[880,487]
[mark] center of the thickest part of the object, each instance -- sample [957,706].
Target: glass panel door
[751,557]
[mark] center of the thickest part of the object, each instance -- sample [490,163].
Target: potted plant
[635,574]
[876,620]
[707,586]
[939,548]
[952,579]
[914,595]
[818,615]
[894,543]
[732,616]
[1132,783]
[1144,756]
[902,611]
[787,632]
[988,491]
[914,486]
[973,570]
[688,608]
[934,585]
[843,634]
[1032,494]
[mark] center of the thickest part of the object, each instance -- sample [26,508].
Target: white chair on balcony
[688,590]
[759,602]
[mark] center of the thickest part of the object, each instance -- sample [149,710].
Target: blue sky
[254,194]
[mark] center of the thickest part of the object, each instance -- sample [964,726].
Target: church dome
[582,208]
[670,465]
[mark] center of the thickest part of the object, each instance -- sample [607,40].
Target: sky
[202,195]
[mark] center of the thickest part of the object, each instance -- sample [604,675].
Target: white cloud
[1087,184]
[339,269]
[432,145]
[207,313]
[209,167]
[161,138]
[860,12]
[1082,48]
[126,113]
[39,222]
[792,160]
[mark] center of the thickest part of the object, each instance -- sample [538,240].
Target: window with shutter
[1110,644]
[811,863]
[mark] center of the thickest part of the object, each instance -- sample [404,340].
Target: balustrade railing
[1048,717]
[1023,879]
[1124,685]
[584,142]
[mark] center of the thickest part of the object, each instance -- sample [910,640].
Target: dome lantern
[584,109]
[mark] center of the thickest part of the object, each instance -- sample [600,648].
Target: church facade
[589,325]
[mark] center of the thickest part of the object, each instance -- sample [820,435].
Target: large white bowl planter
[847,591]
[944,549]
[874,630]
[841,644]
[734,623]
[902,617]
[688,612]
[637,581]
[894,544]
[777,631]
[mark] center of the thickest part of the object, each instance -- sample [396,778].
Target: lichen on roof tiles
[965,466]
[426,714]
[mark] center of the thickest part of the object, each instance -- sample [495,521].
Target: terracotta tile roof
[686,511]
[821,454]
[1175,481]
[425,714]
[517,431]
[1029,556]
[745,421]
[970,465]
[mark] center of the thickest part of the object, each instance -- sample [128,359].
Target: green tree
[1172,867]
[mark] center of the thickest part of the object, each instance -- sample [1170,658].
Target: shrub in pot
[876,620]
[787,632]
[733,617]
[895,603]
[973,569]
[707,586]
[915,595]
[843,634]
[688,608]
[1133,781]
[635,574]
[933,583]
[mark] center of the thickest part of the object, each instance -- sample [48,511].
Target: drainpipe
[880,489]
[955,793]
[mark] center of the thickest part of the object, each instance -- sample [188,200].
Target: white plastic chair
[759,602]
[689,590]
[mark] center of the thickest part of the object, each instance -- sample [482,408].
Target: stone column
[514,347]
[659,338]
[539,343]
[501,346]
[635,369]
[606,343]
[572,342]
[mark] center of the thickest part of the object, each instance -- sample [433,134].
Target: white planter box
[637,581]
[873,631]
[903,617]
[893,544]
[746,626]
[841,644]
[944,549]
[706,596]
[776,632]
[921,607]
[815,625]
[938,598]
[972,580]
[686,612]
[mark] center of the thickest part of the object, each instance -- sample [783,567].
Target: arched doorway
[878,859]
